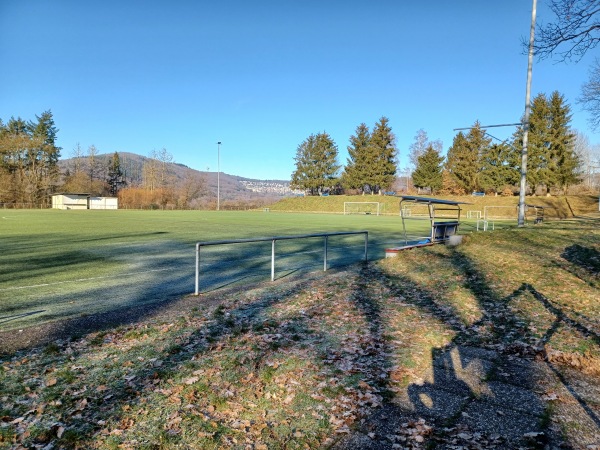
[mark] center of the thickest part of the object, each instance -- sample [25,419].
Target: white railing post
[197,291]
[325,256]
[273,260]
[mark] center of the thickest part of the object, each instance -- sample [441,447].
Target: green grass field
[299,363]
[61,264]
[293,364]
[56,264]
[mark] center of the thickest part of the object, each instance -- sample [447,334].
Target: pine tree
[428,173]
[383,153]
[44,158]
[551,157]
[358,167]
[464,157]
[538,142]
[28,159]
[316,164]
[566,163]
[115,178]
[496,168]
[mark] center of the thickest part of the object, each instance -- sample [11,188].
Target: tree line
[473,163]
[29,156]
[30,171]
[371,166]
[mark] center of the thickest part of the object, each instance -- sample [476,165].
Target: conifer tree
[464,157]
[383,153]
[316,164]
[566,163]
[496,170]
[428,173]
[115,178]
[551,157]
[28,159]
[538,156]
[44,159]
[358,167]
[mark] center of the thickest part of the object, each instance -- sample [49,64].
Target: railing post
[273,260]
[197,291]
[325,256]
[366,247]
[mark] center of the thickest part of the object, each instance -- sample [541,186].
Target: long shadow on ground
[486,387]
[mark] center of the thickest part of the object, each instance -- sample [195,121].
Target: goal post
[493,212]
[362,208]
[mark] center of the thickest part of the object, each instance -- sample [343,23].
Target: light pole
[523,184]
[218,175]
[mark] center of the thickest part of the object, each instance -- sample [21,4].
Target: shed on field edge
[83,201]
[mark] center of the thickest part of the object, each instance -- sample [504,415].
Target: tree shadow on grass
[345,368]
[483,386]
[155,283]
[18,316]
[587,258]
[465,375]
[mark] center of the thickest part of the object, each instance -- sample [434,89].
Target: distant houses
[268,187]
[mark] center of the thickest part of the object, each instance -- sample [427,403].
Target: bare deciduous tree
[575,30]
[419,147]
[590,95]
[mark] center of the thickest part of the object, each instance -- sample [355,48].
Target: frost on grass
[292,364]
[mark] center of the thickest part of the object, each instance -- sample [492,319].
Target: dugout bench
[443,217]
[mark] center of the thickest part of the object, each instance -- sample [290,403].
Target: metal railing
[274,239]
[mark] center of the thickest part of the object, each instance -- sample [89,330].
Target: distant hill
[232,187]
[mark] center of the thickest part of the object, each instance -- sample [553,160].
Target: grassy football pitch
[440,333]
[61,264]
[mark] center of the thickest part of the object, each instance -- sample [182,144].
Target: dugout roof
[431,201]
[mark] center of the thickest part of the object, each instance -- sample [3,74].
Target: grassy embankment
[295,365]
[555,207]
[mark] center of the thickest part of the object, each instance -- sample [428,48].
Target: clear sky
[260,76]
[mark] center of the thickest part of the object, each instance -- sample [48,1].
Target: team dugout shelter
[443,217]
[83,201]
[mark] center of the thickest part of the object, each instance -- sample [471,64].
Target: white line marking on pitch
[83,279]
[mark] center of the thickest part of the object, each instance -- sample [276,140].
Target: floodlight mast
[218,175]
[525,124]
[523,185]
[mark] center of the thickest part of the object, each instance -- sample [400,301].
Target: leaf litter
[298,365]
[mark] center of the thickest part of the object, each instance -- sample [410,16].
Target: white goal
[362,208]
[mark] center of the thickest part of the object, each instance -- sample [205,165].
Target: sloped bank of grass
[555,207]
[297,365]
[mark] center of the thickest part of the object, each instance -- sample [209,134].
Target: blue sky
[260,76]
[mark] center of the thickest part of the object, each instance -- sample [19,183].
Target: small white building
[83,201]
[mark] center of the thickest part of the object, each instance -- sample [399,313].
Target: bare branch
[575,31]
[590,96]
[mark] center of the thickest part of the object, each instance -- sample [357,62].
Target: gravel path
[476,398]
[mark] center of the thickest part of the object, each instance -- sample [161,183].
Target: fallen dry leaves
[297,365]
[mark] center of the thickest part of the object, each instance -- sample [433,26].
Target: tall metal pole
[523,186]
[218,176]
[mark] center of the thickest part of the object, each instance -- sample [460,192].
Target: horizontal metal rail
[274,239]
